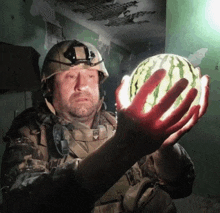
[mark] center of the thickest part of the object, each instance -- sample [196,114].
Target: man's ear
[48,88]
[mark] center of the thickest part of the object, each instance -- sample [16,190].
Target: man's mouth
[81,100]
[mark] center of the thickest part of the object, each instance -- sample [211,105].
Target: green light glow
[212,14]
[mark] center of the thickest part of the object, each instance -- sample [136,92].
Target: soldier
[70,155]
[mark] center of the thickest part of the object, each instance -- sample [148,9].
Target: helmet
[70,53]
[66,54]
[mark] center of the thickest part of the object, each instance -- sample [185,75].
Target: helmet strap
[50,106]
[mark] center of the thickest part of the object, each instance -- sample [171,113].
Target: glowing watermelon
[177,67]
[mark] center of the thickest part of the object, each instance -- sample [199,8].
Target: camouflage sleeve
[29,185]
[179,187]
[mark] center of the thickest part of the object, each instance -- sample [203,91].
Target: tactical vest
[129,188]
[81,142]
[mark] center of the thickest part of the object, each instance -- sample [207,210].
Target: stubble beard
[79,111]
[83,111]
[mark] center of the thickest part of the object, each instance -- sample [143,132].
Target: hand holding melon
[161,105]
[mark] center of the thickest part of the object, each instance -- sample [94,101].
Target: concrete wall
[191,25]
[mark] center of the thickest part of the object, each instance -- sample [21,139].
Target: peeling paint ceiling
[137,24]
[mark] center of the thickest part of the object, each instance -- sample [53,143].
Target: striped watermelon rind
[177,67]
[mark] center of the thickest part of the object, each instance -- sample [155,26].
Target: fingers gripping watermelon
[177,67]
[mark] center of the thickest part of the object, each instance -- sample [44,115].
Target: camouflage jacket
[38,175]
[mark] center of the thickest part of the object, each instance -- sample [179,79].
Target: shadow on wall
[110,86]
[198,204]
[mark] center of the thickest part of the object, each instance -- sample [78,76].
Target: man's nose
[81,83]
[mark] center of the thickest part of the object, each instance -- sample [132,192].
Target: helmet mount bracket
[79,54]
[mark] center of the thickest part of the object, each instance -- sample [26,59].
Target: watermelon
[177,67]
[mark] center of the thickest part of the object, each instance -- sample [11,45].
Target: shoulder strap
[43,143]
[110,118]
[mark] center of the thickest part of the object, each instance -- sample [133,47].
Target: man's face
[76,92]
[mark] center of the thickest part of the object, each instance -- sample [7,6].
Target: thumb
[121,93]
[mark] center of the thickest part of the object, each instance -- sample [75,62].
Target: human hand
[205,81]
[145,132]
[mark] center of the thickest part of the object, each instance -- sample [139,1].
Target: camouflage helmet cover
[70,53]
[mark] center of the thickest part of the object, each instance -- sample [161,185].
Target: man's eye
[91,76]
[71,76]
